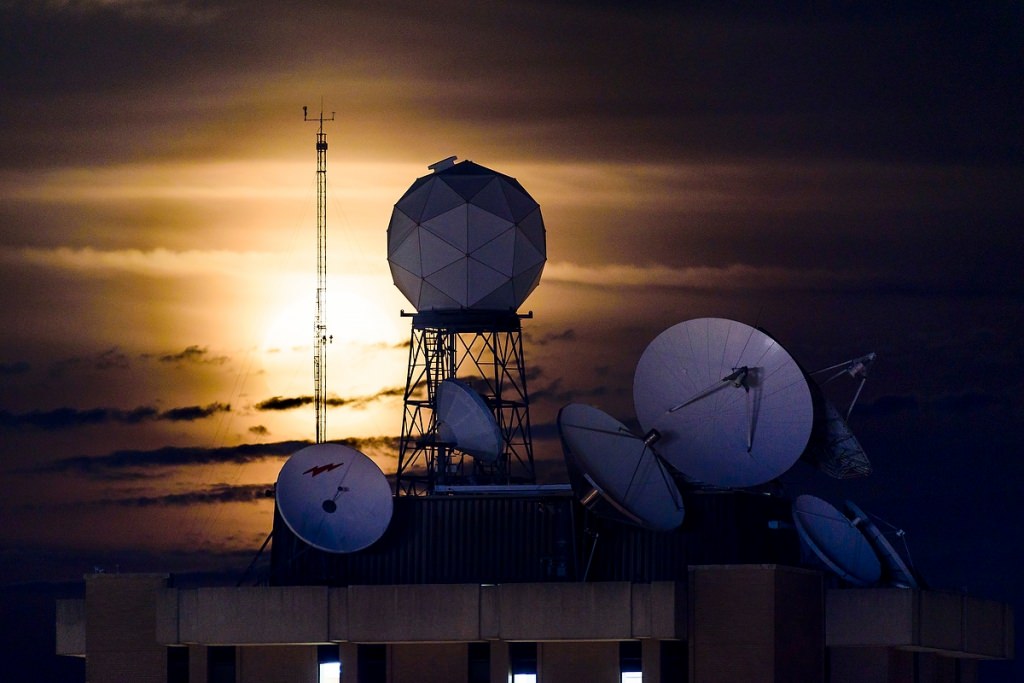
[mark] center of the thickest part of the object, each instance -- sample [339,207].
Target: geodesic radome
[466,237]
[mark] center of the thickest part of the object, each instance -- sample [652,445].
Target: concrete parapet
[423,613]
[948,623]
[252,615]
[565,611]
[120,628]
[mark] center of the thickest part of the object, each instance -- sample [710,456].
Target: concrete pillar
[277,663]
[501,667]
[573,662]
[120,628]
[651,655]
[349,662]
[197,663]
[756,623]
[428,663]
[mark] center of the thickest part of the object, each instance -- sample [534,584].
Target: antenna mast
[320,338]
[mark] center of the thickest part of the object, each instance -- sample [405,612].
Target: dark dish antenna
[856,368]
[320,336]
[835,449]
[835,541]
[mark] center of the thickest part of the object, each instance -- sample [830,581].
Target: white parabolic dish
[732,406]
[465,421]
[622,467]
[833,538]
[334,498]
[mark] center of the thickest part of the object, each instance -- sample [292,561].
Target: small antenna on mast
[320,337]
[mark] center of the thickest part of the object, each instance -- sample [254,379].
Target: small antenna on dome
[443,164]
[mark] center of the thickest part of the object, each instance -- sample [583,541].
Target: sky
[845,175]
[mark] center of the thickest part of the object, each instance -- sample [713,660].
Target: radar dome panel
[455,214]
[621,467]
[732,406]
[334,498]
[835,541]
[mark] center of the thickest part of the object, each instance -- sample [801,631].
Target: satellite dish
[466,237]
[732,406]
[465,422]
[620,468]
[834,540]
[834,449]
[334,498]
[899,572]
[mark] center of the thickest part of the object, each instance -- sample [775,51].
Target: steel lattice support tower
[320,337]
[484,348]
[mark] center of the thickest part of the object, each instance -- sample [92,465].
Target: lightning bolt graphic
[320,469]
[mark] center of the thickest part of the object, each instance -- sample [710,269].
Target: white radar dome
[466,237]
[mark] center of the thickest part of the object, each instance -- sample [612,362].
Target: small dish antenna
[899,572]
[465,422]
[731,405]
[620,468]
[334,498]
[835,541]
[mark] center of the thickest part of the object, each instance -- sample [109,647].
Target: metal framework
[320,336]
[485,349]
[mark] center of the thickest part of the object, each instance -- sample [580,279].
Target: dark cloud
[259,430]
[193,354]
[220,493]
[19,367]
[556,393]
[914,80]
[109,359]
[171,456]
[282,403]
[68,418]
[545,339]
[190,413]
[112,358]
[116,464]
[292,402]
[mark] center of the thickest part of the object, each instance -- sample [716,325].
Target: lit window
[632,677]
[330,672]
[524,678]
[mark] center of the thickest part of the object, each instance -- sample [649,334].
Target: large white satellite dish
[833,539]
[899,572]
[334,498]
[621,467]
[465,422]
[732,406]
